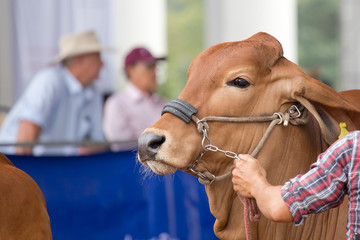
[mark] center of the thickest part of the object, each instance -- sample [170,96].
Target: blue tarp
[105,196]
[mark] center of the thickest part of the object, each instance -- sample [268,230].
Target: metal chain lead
[213,148]
[229,154]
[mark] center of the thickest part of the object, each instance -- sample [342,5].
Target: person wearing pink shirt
[128,113]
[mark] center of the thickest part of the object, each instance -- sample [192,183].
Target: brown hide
[275,84]
[23,214]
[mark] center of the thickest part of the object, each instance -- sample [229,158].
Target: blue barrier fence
[104,196]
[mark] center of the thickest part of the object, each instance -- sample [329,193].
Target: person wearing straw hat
[129,112]
[61,103]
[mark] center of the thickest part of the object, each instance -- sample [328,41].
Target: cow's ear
[268,49]
[327,106]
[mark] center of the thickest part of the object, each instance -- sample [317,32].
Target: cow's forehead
[223,61]
[261,51]
[223,53]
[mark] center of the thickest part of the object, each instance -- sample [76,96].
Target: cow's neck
[285,150]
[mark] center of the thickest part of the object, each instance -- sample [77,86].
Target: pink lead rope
[251,211]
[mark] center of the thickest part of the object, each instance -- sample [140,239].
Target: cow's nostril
[155,143]
[149,144]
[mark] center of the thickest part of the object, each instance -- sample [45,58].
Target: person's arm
[249,180]
[88,150]
[27,132]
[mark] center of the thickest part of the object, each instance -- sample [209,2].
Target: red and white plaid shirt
[335,173]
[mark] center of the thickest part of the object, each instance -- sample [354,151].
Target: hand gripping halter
[186,112]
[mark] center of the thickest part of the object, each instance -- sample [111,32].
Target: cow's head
[245,78]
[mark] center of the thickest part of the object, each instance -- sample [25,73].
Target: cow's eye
[239,82]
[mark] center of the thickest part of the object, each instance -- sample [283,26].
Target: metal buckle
[280,117]
[297,109]
[206,178]
[203,176]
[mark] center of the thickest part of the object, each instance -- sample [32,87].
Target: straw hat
[77,44]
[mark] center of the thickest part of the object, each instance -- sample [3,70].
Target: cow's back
[352,96]
[23,213]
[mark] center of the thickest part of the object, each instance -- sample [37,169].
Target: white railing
[71,143]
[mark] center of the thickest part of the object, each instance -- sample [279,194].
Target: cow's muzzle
[149,145]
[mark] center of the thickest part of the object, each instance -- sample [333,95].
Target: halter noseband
[186,112]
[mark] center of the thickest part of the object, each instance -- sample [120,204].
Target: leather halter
[186,112]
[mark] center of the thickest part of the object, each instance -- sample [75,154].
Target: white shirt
[128,113]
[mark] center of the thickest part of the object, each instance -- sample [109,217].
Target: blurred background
[86,196]
[322,36]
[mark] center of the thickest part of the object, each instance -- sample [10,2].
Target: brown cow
[23,214]
[251,78]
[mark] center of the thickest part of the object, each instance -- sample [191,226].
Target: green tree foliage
[185,41]
[319,38]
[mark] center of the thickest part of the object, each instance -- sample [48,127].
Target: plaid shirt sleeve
[325,184]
